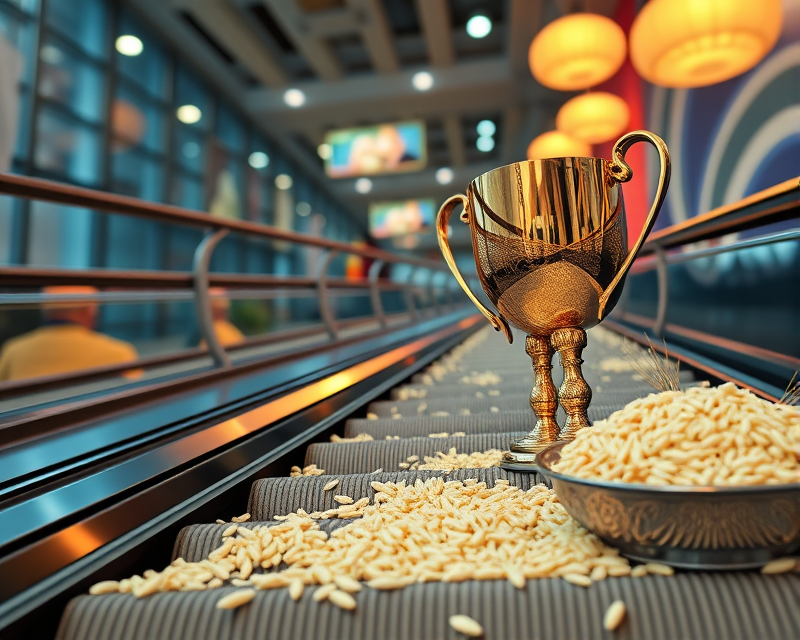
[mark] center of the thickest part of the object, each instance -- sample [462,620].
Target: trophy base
[522,461]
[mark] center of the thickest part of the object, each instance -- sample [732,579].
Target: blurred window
[137,174]
[71,80]
[190,148]
[82,22]
[231,129]
[148,69]
[135,121]
[190,90]
[67,147]
[187,191]
[59,236]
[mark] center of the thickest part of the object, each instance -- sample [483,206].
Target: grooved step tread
[700,606]
[270,497]
[420,426]
[366,457]
[613,399]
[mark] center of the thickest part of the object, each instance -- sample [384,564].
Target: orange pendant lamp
[577,51]
[556,144]
[594,117]
[695,43]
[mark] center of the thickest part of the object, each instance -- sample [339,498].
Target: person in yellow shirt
[226,331]
[66,342]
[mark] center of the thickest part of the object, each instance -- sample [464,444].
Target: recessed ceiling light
[325,151]
[283,181]
[189,114]
[486,128]
[303,209]
[485,143]
[444,175]
[258,160]
[363,185]
[479,26]
[422,81]
[129,46]
[294,98]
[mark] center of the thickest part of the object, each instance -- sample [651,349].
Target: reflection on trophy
[550,244]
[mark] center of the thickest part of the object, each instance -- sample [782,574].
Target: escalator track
[472,400]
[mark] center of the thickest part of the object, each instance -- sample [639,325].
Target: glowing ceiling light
[555,144]
[444,175]
[258,160]
[189,114]
[294,98]
[283,181]
[325,151]
[422,81]
[684,43]
[363,185]
[485,143]
[594,117]
[577,51]
[129,45]
[479,26]
[486,128]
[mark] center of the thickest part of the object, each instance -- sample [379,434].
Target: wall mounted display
[386,148]
[390,219]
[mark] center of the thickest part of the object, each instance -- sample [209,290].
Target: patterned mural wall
[735,138]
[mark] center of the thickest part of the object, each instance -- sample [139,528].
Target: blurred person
[391,147]
[65,342]
[226,331]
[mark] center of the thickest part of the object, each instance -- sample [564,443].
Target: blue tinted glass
[8,208]
[187,191]
[18,36]
[148,69]
[23,125]
[133,243]
[59,235]
[135,174]
[81,21]
[136,120]
[29,6]
[189,90]
[231,129]
[190,148]
[67,147]
[74,83]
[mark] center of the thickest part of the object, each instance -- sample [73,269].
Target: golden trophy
[550,244]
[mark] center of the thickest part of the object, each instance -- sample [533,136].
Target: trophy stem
[544,402]
[575,394]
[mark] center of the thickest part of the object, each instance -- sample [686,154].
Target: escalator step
[616,398]
[270,497]
[421,426]
[366,457]
[522,385]
[687,606]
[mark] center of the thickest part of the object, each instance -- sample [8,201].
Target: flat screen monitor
[386,148]
[391,219]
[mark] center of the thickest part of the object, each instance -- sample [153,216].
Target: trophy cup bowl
[550,245]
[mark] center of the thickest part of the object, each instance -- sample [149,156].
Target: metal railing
[673,245]
[195,285]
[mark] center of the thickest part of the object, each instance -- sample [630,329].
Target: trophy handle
[442,221]
[621,172]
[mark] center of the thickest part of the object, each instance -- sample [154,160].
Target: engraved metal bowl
[687,527]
